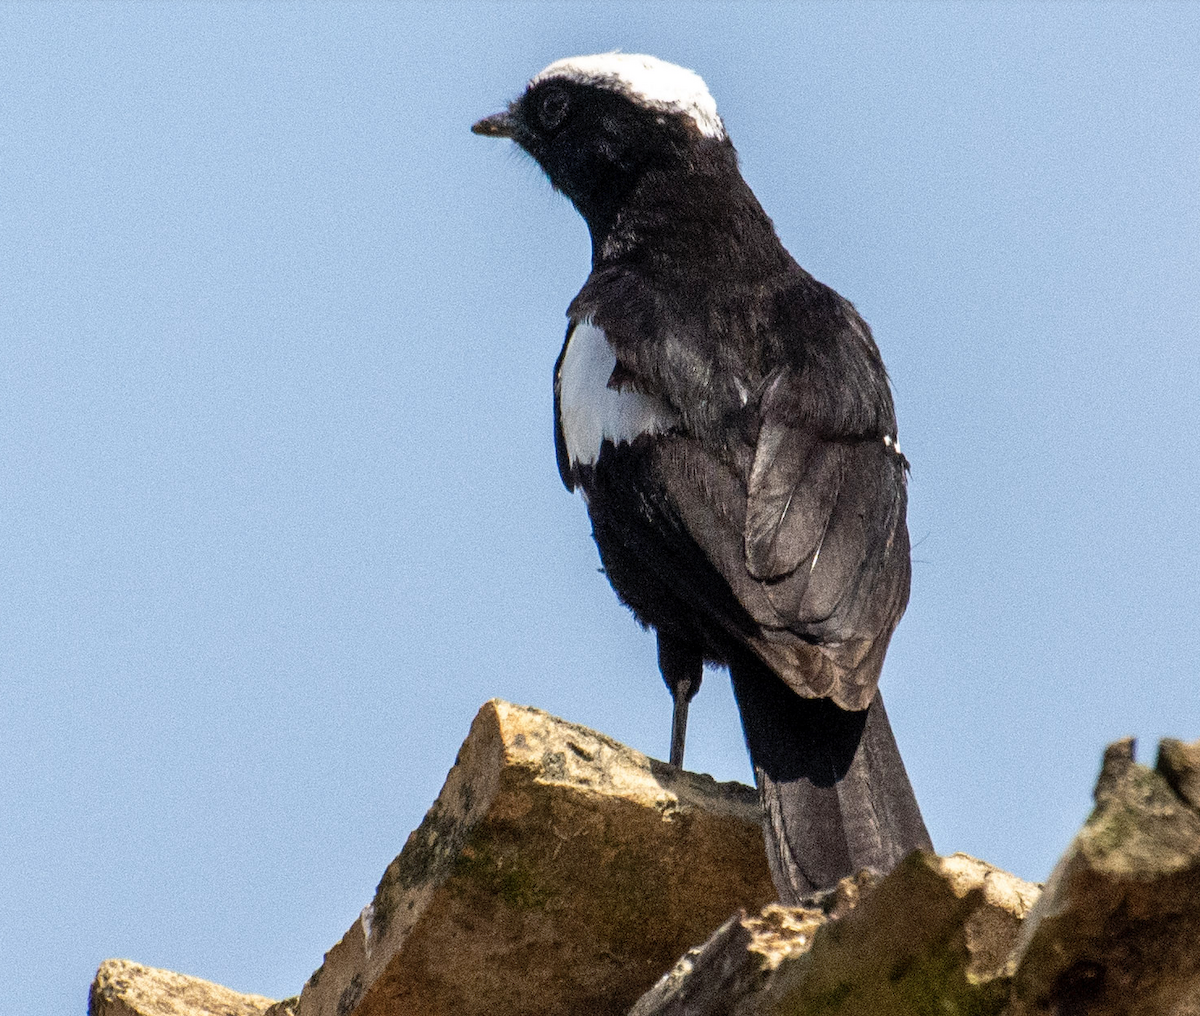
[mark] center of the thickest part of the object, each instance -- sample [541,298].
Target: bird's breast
[591,410]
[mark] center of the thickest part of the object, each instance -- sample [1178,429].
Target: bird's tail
[835,795]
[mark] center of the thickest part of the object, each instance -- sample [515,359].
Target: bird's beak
[498,125]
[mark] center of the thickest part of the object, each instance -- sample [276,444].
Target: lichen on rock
[561,872]
[1117,930]
[558,871]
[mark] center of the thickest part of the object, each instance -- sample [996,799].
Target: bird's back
[757,441]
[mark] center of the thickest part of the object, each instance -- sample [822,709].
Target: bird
[730,424]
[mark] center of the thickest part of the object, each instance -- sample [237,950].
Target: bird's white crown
[646,80]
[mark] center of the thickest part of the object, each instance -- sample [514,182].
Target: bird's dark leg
[682,667]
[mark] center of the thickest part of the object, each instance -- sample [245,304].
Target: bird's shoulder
[716,348]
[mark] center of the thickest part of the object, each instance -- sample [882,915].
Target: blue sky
[278,503]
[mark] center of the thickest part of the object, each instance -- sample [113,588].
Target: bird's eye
[552,108]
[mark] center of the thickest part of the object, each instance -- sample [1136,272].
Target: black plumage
[729,421]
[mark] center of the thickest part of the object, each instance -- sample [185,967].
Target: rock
[1117,929]
[933,936]
[737,962]
[557,872]
[1179,765]
[122,988]
[561,872]
[708,976]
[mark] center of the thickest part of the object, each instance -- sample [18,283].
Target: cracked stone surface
[1117,930]
[561,872]
[558,871]
[931,937]
[122,988]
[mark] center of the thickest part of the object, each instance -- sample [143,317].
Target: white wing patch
[590,412]
[646,80]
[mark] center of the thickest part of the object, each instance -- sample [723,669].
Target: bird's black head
[599,124]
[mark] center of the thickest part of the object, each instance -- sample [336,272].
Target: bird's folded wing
[822,514]
[791,494]
[813,544]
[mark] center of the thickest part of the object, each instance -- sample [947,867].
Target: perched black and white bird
[729,422]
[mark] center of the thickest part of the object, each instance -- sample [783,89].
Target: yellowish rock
[558,872]
[122,988]
[1116,931]
[931,937]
